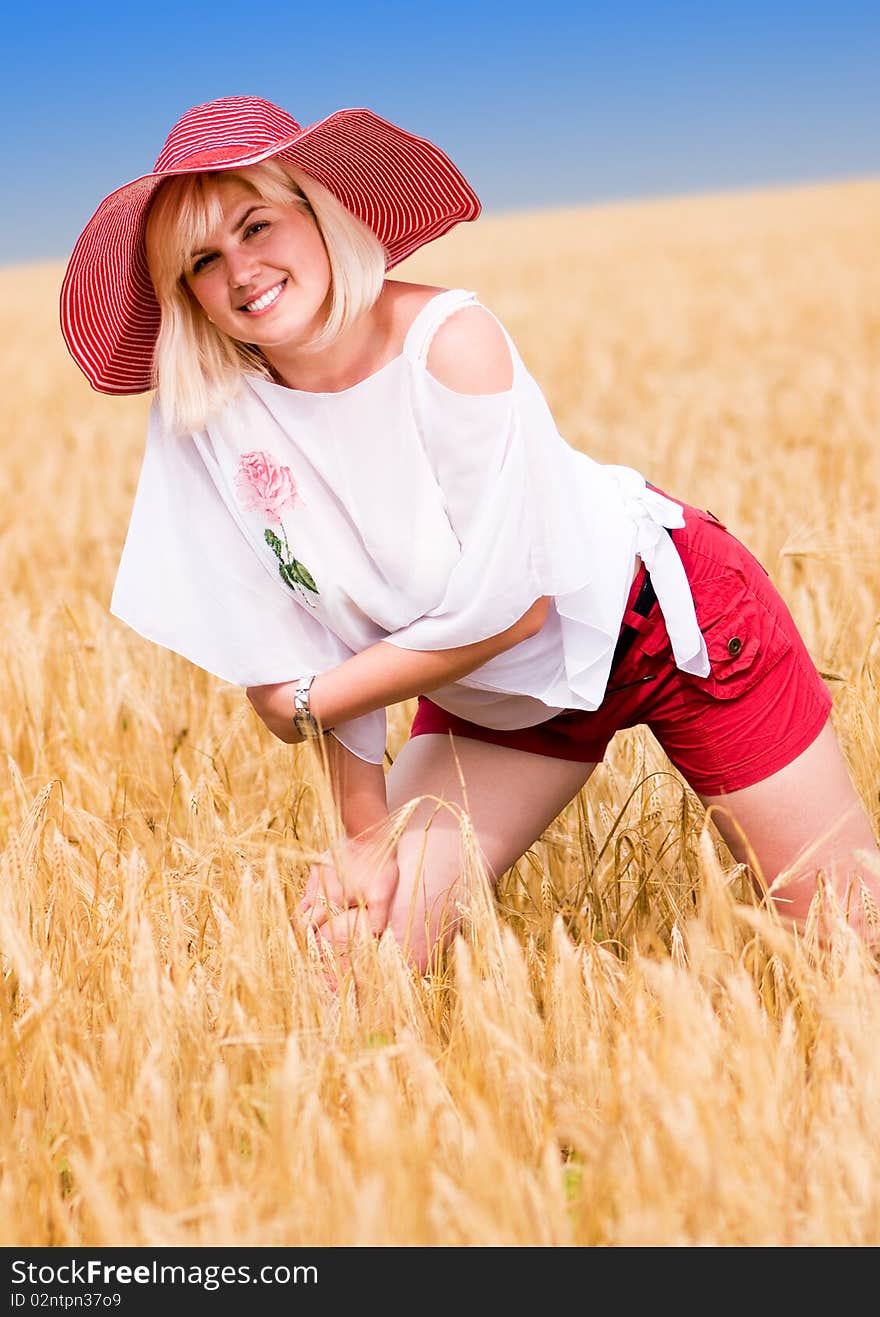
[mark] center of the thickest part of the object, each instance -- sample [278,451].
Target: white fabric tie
[654,515]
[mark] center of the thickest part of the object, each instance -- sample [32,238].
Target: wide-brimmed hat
[402,186]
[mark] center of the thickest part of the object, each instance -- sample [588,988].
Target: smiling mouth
[265,300]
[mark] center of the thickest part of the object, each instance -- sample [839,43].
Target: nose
[243,269]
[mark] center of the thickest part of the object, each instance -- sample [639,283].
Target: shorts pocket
[743,635]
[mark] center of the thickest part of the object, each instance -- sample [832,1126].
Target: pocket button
[734,646]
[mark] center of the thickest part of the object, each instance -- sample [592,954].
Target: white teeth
[266,300]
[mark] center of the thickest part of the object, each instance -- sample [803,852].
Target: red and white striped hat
[402,186]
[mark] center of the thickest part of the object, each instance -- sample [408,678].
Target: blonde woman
[353,493]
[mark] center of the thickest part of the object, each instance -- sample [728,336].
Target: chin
[291,335]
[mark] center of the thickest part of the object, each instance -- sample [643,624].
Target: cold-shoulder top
[297,528]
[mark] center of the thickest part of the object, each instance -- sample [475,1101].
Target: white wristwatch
[303,719]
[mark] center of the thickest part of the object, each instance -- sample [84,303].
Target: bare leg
[805,819]
[510,797]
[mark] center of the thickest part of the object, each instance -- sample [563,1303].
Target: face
[263,275]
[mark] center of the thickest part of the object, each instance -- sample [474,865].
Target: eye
[256,227]
[202,261]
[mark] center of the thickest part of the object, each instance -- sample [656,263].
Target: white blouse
[298,528]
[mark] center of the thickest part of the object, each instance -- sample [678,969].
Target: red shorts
[763,703]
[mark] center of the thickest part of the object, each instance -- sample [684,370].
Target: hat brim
[402,186]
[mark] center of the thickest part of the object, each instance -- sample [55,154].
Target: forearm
[385,674]
[358,789]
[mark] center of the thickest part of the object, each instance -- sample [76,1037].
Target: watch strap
[303,718]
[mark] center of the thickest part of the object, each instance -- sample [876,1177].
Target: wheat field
[621,1049]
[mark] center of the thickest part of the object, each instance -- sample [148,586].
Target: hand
[355,889]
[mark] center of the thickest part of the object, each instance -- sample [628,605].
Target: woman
[353,493]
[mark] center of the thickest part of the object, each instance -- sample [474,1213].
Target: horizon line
[599,204]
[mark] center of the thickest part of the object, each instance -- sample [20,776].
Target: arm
[358,789]
[384,674]
[361,872]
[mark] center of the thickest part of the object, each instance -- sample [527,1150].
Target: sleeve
[535,517]
[188,580]
[514,498]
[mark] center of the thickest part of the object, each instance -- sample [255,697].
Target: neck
[359,351]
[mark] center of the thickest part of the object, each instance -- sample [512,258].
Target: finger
[334,942]
[378,913]
[322,882]
[321,912]
[363,917]
[312,886]
[341,930]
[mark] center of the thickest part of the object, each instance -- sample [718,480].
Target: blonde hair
[196,367]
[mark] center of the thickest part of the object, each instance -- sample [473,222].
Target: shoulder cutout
[469,353]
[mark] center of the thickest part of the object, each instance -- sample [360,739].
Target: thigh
[509,797]
[802,820]
[754,738]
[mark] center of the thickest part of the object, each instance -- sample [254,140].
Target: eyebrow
[260,205]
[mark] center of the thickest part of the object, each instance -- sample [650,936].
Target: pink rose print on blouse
[264,485]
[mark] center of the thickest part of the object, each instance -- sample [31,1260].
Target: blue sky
[540,104]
